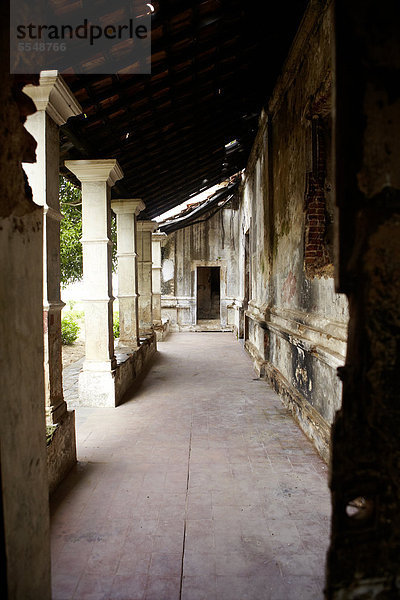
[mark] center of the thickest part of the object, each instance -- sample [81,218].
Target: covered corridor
[199,486]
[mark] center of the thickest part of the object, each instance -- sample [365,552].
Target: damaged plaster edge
[335,329]
[321,324]
[297,322]
[327,348]
[306,416]
[309,420]
[323,353]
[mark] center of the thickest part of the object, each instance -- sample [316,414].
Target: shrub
[69,330]
[116,325]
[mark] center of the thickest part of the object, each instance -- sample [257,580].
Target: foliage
[71,233]
[116,325]
[69,330]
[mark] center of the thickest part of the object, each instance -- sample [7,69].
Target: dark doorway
[208,293]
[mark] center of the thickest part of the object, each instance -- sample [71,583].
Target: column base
[106,388]
[97,388]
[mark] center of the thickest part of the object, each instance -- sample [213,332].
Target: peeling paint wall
[296,324]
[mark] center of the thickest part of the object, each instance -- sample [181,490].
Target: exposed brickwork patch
[317,252]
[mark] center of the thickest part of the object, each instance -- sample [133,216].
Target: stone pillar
[145,264]
[127,211]
[157,238]
[97,379]
[55,104]
[24,501]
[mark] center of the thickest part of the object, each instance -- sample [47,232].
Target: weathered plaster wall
[296,325]
[22,424]
[209,243]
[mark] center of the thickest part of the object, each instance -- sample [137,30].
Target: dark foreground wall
[365,476]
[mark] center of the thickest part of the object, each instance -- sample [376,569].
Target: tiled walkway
[200,487]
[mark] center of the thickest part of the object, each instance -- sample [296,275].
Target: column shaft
[156,276]
[43,177]
[126,211]
[96,382]
[97,272]
[144,231]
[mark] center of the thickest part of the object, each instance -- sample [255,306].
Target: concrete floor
[199,487]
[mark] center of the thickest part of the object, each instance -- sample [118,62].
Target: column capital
[53,96]
[105,170]
[158,236]
[127,206]
[147,226]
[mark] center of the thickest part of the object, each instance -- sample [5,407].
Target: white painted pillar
[96,380]
[145,277]
[55,104]
[127,211]
[157,239]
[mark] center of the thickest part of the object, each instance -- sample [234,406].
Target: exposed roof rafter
[214,65]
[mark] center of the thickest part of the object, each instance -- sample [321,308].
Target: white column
[145,264]
[55,104]
[157,239]
[96,380]
[127,211]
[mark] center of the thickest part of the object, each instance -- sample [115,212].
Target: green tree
[71,233]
